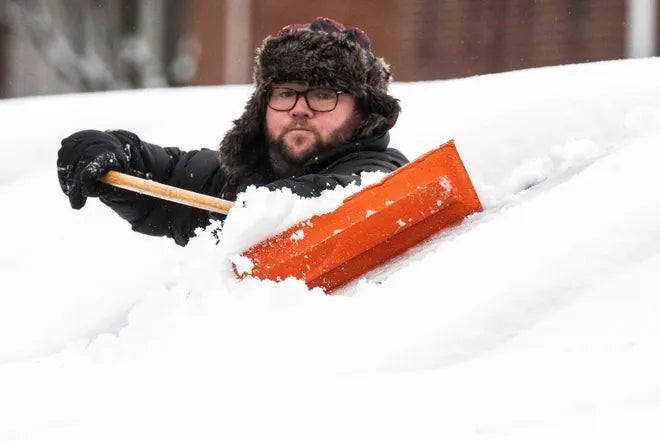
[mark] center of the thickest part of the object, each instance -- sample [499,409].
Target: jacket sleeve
[342,172]
[195,170]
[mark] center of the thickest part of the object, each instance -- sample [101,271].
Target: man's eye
[323,94]
[286,93]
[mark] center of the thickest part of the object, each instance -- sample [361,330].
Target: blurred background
[63,46]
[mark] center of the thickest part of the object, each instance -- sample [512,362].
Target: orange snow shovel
[372,226]
[380,222]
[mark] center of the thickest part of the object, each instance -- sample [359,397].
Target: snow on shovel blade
[381,221]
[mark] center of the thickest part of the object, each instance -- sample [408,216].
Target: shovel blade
[380,222]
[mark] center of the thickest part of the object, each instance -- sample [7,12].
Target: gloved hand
[83,158]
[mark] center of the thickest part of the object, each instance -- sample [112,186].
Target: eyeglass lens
[318,99]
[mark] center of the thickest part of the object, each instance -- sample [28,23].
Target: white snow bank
[537,318]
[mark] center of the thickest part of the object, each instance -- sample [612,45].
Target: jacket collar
[325,157]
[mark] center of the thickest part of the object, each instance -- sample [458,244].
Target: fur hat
[321,53]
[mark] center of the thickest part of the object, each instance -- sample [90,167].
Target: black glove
[83,158]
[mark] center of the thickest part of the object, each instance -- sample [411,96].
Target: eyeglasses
[318,99]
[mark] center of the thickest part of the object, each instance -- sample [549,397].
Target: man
[318,117]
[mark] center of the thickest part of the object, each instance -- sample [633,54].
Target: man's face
[296,135]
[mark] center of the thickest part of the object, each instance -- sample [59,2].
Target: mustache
[299,124]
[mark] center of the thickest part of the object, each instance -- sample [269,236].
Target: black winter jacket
[199,171]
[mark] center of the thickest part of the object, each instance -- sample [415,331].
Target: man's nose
[301,109]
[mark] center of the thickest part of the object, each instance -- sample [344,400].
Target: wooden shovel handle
[166,192]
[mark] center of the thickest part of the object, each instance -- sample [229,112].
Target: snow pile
[259,213]
[536,319]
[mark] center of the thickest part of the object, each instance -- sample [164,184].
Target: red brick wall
[433,39]
[467,37]
[205,20]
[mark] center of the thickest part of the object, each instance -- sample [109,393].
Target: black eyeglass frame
[304,94]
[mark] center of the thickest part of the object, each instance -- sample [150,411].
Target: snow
[259,213]
[536,319]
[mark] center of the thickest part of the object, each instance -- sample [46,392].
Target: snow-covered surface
[536,319]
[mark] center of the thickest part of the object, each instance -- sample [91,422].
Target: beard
[286,158]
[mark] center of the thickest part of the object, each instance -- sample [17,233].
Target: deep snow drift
[536,319]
